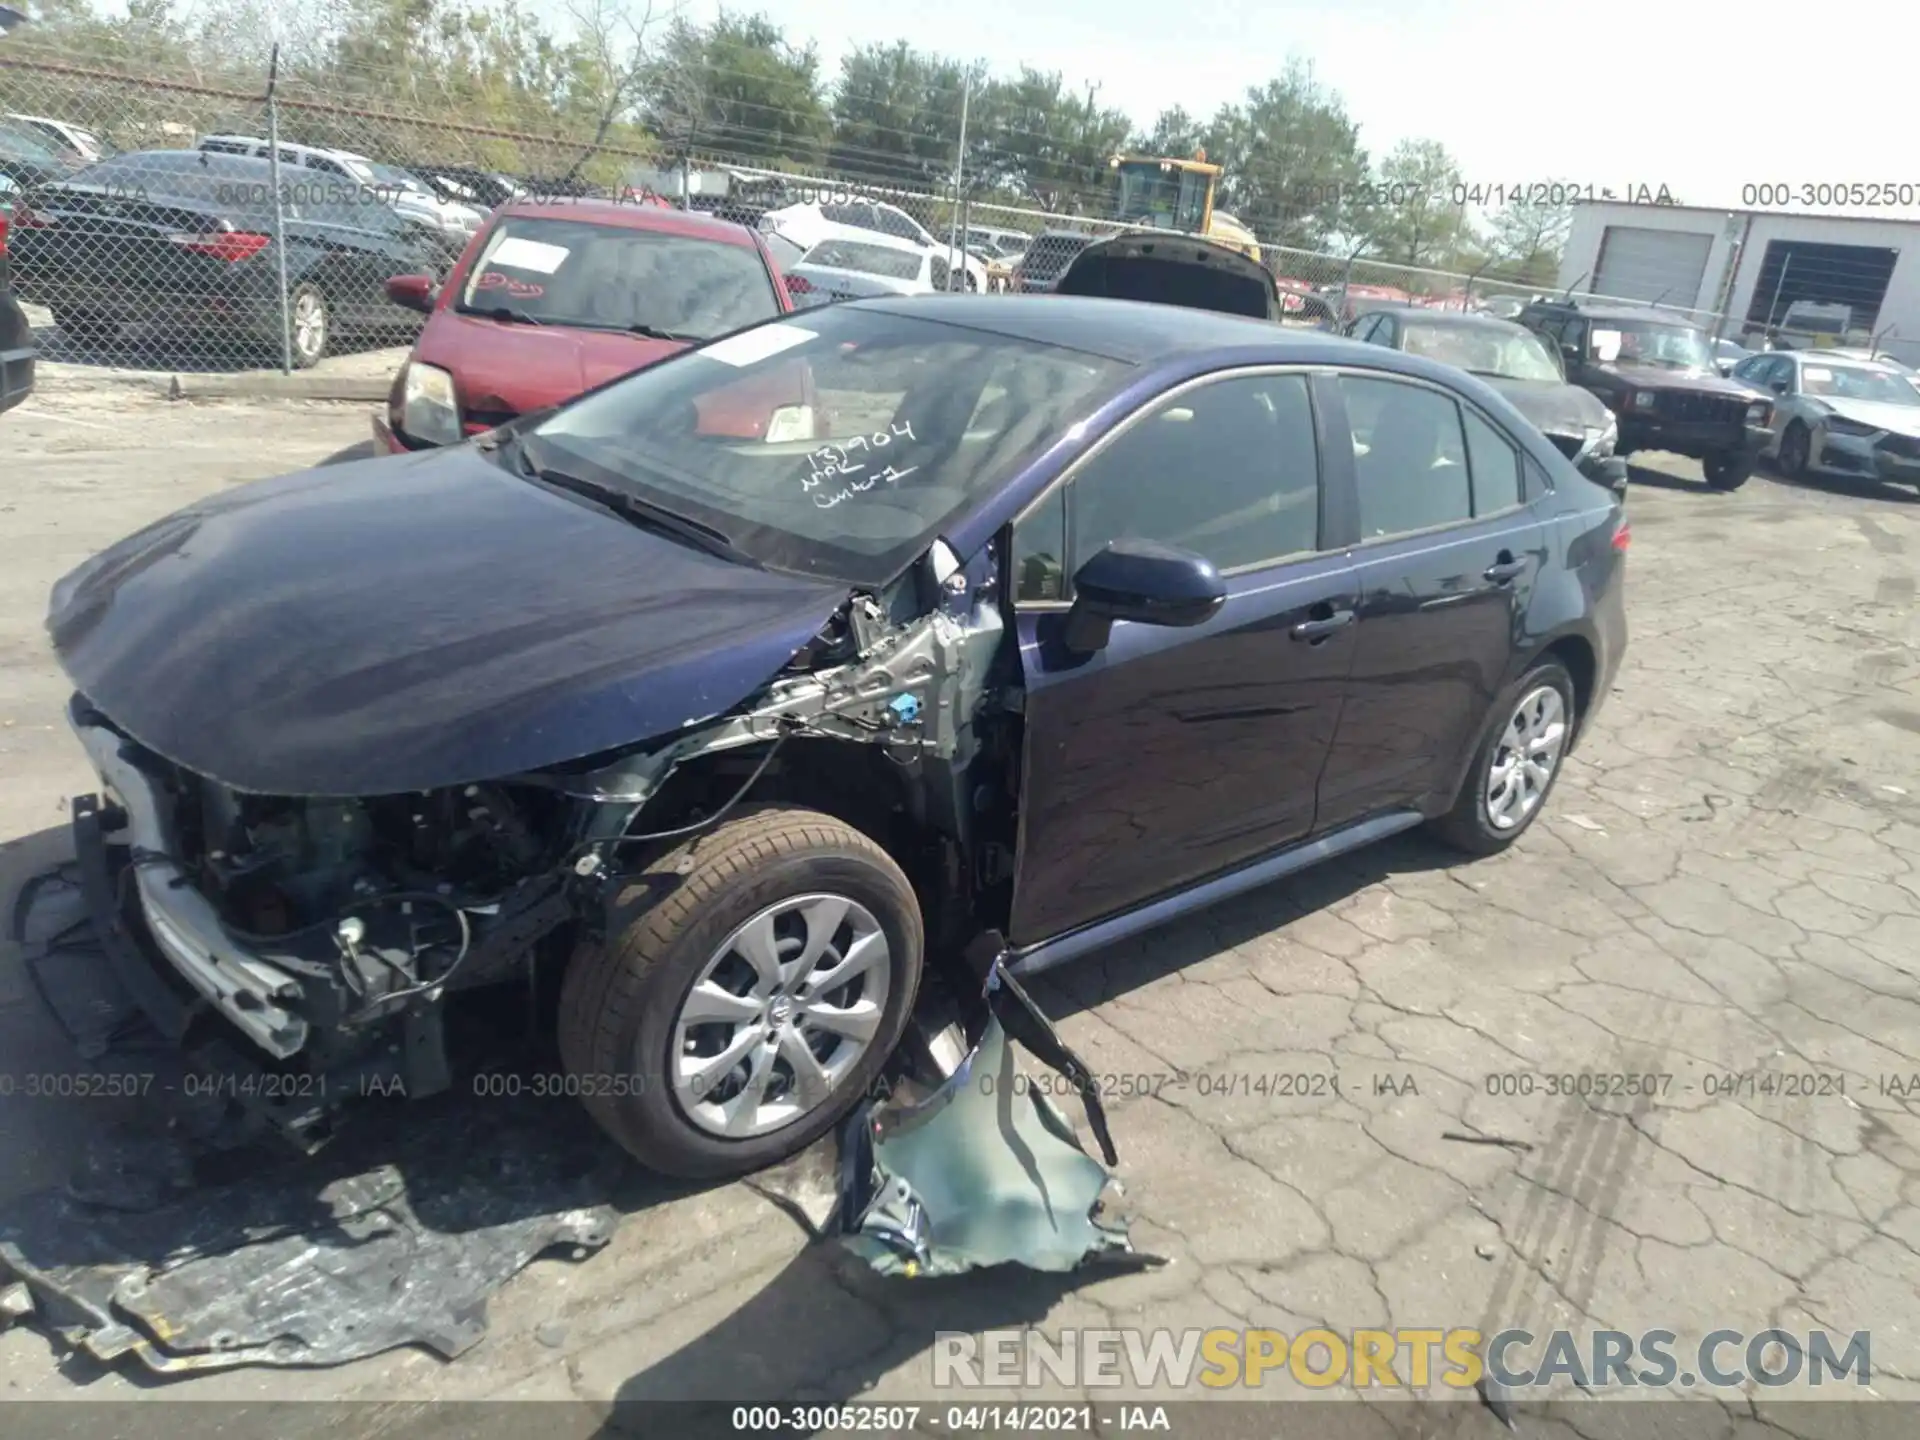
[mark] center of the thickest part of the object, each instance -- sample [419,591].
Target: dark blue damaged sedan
[944,635]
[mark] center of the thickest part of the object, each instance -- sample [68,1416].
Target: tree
[1413,216]
[1528,240]
[1175,133]
[1047,145]
[736,87]
[1292,160]
[896,114]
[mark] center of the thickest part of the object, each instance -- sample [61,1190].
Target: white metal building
[1742,269]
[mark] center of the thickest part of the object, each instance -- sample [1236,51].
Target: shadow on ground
[152,348]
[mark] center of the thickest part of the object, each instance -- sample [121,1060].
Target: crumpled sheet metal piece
[984,1172]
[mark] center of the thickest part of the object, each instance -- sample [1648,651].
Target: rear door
[1178,753]
[1448,554]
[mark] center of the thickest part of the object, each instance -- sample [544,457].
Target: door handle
[1314,631]
[1504,569]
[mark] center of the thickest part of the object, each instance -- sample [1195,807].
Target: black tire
[620,1000]
[1727,472]
[1796,448]
[1468,826]
[308,352]
[84,325]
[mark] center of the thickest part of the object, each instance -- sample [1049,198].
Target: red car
[552,298]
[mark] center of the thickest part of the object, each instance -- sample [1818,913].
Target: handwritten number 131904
[836,461]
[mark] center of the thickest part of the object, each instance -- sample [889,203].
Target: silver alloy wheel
[1524,758]
[309,326]
[780,1014]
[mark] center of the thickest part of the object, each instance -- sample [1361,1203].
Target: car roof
[1827,359]
[854,235]
[626,215]
[1136,332]
[1453,319]
[1615,310]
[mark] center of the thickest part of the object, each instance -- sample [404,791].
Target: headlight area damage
[729,919]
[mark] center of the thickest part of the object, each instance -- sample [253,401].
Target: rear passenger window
[1410,457]
[1494,465]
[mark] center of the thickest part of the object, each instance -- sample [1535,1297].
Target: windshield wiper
[642,512]
[654,332]
[506,314]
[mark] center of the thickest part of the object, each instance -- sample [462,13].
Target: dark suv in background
[1655,371]
[16,335]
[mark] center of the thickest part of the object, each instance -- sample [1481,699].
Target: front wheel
[733,1021]
[1796,446]
[1515,767]
[1727,472]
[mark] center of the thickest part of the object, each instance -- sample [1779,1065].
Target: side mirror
[1610,472]
[1779,387]
[412,292]
[1141,581]
[1569,355]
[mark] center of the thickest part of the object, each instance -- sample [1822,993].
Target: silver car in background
[1852,417]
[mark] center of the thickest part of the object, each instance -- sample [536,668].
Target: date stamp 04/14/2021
[1278,1082]
[1385,194]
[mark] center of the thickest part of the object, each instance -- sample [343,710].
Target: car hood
[1169,270]
[414,622]
[1900,419]
[502,367]
[1656,377]
[1553,408]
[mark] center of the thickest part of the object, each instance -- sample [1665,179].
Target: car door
[1449,550]
[1774,375]
[1176,753]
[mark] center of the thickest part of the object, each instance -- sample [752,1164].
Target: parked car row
[184,240]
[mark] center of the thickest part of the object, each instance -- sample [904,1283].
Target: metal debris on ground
[191,1260]
[986,1171]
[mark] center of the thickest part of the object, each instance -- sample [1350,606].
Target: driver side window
[1229,471]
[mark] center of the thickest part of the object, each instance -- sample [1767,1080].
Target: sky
[1613,93]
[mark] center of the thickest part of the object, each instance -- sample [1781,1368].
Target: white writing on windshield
[886,475]
[834,461]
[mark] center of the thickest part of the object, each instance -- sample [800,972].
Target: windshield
[1168,198]
[840,445]
[25,142]
[1484,350]
[867,259]
[1674,347]
[616,277]
[393,177]
[1847,382]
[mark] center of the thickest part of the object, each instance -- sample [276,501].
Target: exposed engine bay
[330,931]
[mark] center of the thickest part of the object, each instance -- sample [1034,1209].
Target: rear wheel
[309,324]
[1727,472]
[84,325]
[1506,787]
[733,1021]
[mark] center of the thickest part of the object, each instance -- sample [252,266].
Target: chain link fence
[231,217]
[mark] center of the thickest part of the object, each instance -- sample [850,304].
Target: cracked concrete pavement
[1713,937]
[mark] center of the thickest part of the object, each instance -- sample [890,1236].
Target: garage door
[1652,265]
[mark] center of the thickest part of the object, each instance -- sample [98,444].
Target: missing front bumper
[257,997]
